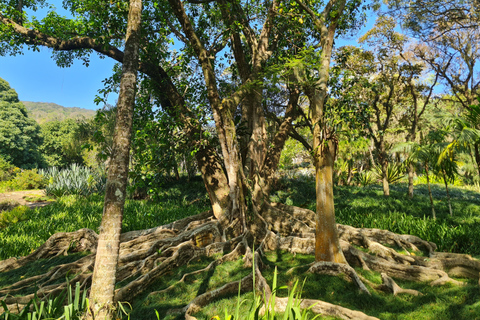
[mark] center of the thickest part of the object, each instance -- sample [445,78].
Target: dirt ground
[19,196]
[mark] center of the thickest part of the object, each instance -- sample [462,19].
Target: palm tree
[424,154]
[466,134]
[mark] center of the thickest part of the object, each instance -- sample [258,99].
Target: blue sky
[36,77]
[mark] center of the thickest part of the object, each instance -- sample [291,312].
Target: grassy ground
[360,207]
[367,207]
[71,213]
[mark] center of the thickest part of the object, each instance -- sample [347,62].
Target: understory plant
[365,178]
[76,179]
[263,308]
[76,304]
[17,214]
[395,172]
[24,180]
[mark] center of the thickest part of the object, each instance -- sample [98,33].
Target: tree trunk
[384,162]
[223,115]
[327,246]
[370,153]
[477,156]
[350,173]
[410,180]
[448,193]
[102,303]
[430,192]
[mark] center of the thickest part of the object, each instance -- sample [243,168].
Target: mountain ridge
[48,111]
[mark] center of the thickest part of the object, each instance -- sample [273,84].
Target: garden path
[19,196]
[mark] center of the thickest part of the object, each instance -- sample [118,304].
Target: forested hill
[46,111]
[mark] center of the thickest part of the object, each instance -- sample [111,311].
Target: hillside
[46,111]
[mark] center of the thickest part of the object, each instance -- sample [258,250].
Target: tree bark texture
[430,192]
[411,172]
[103,282]
[327,247]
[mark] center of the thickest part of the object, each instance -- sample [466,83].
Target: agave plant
[76,179]
[395,172]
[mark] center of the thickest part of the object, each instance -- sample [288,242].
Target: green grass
[357,206]
[367,207]
[70,213]
[439,303]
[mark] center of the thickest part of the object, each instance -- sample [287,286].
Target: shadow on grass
[366,207]
[38,267]
[439,303]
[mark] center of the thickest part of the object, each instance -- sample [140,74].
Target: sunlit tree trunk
[430,191]
[386,186]
[477,156]
[444,175]
[102,303]
[327,245]
[410,180]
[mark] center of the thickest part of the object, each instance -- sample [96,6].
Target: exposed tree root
[336,269]
[394,288]
[58,244]
[147,255]
[324,308]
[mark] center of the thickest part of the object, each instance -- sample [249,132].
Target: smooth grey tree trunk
[102,302]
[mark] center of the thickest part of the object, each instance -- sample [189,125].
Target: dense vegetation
[361,207]
[256,91]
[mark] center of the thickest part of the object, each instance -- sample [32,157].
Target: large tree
[61,146]
[20,135]
[102,294]
[239,49]
[450,37]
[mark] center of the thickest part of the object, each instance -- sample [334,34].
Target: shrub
[15,215]
[365,178]
[395,172]
[78,180]
[24,180]
[29,180]
[8,205]
[7,170]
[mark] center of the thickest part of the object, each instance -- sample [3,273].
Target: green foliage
[365,178]
[17,214]
[53,308]
[7,170]
[294,151]
[29,180]
[19,135]
[395,172]
[76,179]
[24,180]
[61,144]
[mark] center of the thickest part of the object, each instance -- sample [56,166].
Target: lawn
[356,206]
